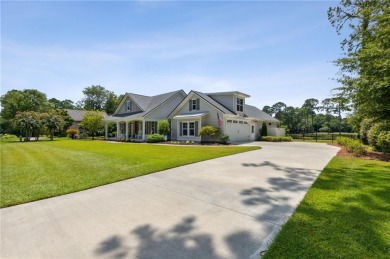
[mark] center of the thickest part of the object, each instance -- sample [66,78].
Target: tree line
[364,67]
[29,113]
[312,116]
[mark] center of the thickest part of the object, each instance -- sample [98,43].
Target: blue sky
[273,51]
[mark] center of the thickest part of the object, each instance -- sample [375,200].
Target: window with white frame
[192,129]
[194,104]
[188,129]
[240,104]
[128,105]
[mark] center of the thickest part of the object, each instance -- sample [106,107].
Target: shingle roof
[254,112]
[142,100]
[214,103]
[146,103]
[78,115]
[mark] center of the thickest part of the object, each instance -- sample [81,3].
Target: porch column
[127,130]
[118,131]
[143,130]
[105,130]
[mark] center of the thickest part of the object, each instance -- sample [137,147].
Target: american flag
[219,120]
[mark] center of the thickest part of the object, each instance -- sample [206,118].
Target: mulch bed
[371,155]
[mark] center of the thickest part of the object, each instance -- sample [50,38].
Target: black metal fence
[320,136]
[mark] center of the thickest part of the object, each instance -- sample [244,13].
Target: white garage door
[237,130]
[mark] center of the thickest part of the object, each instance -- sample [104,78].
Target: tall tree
[112,103]
[290,118]
[65,104]
[20,101]
[365,70]
[311,105]
[27,122]
[68,121]
[340,104]
[268,109]
[95,98]
[278,108]
[327,106]
[53,122]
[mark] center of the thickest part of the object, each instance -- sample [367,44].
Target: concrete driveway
[228,207]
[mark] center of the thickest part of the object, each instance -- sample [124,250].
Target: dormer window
[194,105]
[128,105]
[240,104]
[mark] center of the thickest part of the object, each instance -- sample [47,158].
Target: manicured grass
[37,170]
[345,214]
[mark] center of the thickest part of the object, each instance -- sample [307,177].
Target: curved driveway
[227,207]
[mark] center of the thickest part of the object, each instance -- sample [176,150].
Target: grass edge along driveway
[38,170]
[345,214]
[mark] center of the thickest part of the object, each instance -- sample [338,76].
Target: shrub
[353,146]
[384,141]
[72,133]
[225,139]
[324,129]
[209,131]
[84,135]
[374,132]
[8,136]
[275,139]
[155,138]
[264,130]
[163,127]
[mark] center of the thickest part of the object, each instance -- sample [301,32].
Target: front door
[252,134]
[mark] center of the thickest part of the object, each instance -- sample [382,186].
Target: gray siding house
[137,116]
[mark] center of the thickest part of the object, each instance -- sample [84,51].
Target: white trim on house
[196,110]
[187,116]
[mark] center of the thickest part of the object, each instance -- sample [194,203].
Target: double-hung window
[188,129]
[240,104]
[194,104]
[192,129]
[185,129]
[128,105]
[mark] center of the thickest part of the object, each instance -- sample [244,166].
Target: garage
[238,130]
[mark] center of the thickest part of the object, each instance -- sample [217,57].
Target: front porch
[132,130]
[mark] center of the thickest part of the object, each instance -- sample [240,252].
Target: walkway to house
[228,207]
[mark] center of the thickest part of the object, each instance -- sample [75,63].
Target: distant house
[77,116]
[137,116]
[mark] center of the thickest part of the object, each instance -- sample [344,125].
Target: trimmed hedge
[353,146]
[155,138]
[276,139]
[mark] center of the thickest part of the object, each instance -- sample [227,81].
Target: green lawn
[37,170]
[345,214]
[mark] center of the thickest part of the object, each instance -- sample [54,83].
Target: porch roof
[190,115]
[125,117]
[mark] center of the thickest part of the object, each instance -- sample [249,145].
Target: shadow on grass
[344,215]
